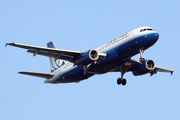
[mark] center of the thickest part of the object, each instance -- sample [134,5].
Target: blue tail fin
[54,64]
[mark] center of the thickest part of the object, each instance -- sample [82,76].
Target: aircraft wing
[50,52]
[132,64]
[41,75]
[163,70]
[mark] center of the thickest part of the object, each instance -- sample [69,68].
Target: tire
[119,81]
[124,82]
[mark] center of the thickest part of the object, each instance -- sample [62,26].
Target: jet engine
[144,68]
[90,57]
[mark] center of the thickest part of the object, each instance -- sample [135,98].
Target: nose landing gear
[141,53]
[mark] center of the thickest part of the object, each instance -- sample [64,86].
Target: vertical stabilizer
[54,64]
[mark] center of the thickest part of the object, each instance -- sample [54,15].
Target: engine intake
[93,55]
[144,68]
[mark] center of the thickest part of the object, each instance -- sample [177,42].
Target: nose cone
[156,36]
[153,37]
[150,39]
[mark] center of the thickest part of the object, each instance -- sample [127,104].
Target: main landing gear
[124,69]
[121,80]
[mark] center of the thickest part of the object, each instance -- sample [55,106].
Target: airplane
[114,56]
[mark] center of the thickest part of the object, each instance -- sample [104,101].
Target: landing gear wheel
[119,81]
[141,60]
[124,82]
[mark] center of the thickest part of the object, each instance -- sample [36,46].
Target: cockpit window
[148,29]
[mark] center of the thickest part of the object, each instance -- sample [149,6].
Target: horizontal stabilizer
[41,75]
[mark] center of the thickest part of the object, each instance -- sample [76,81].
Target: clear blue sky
[82,25]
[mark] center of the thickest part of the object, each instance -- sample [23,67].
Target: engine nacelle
[144,68]
[89,57]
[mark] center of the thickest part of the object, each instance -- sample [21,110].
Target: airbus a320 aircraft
[114,56]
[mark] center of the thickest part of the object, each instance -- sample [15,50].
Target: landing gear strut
[122,80]
[141,53]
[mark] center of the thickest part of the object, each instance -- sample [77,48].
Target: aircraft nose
[154,37]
